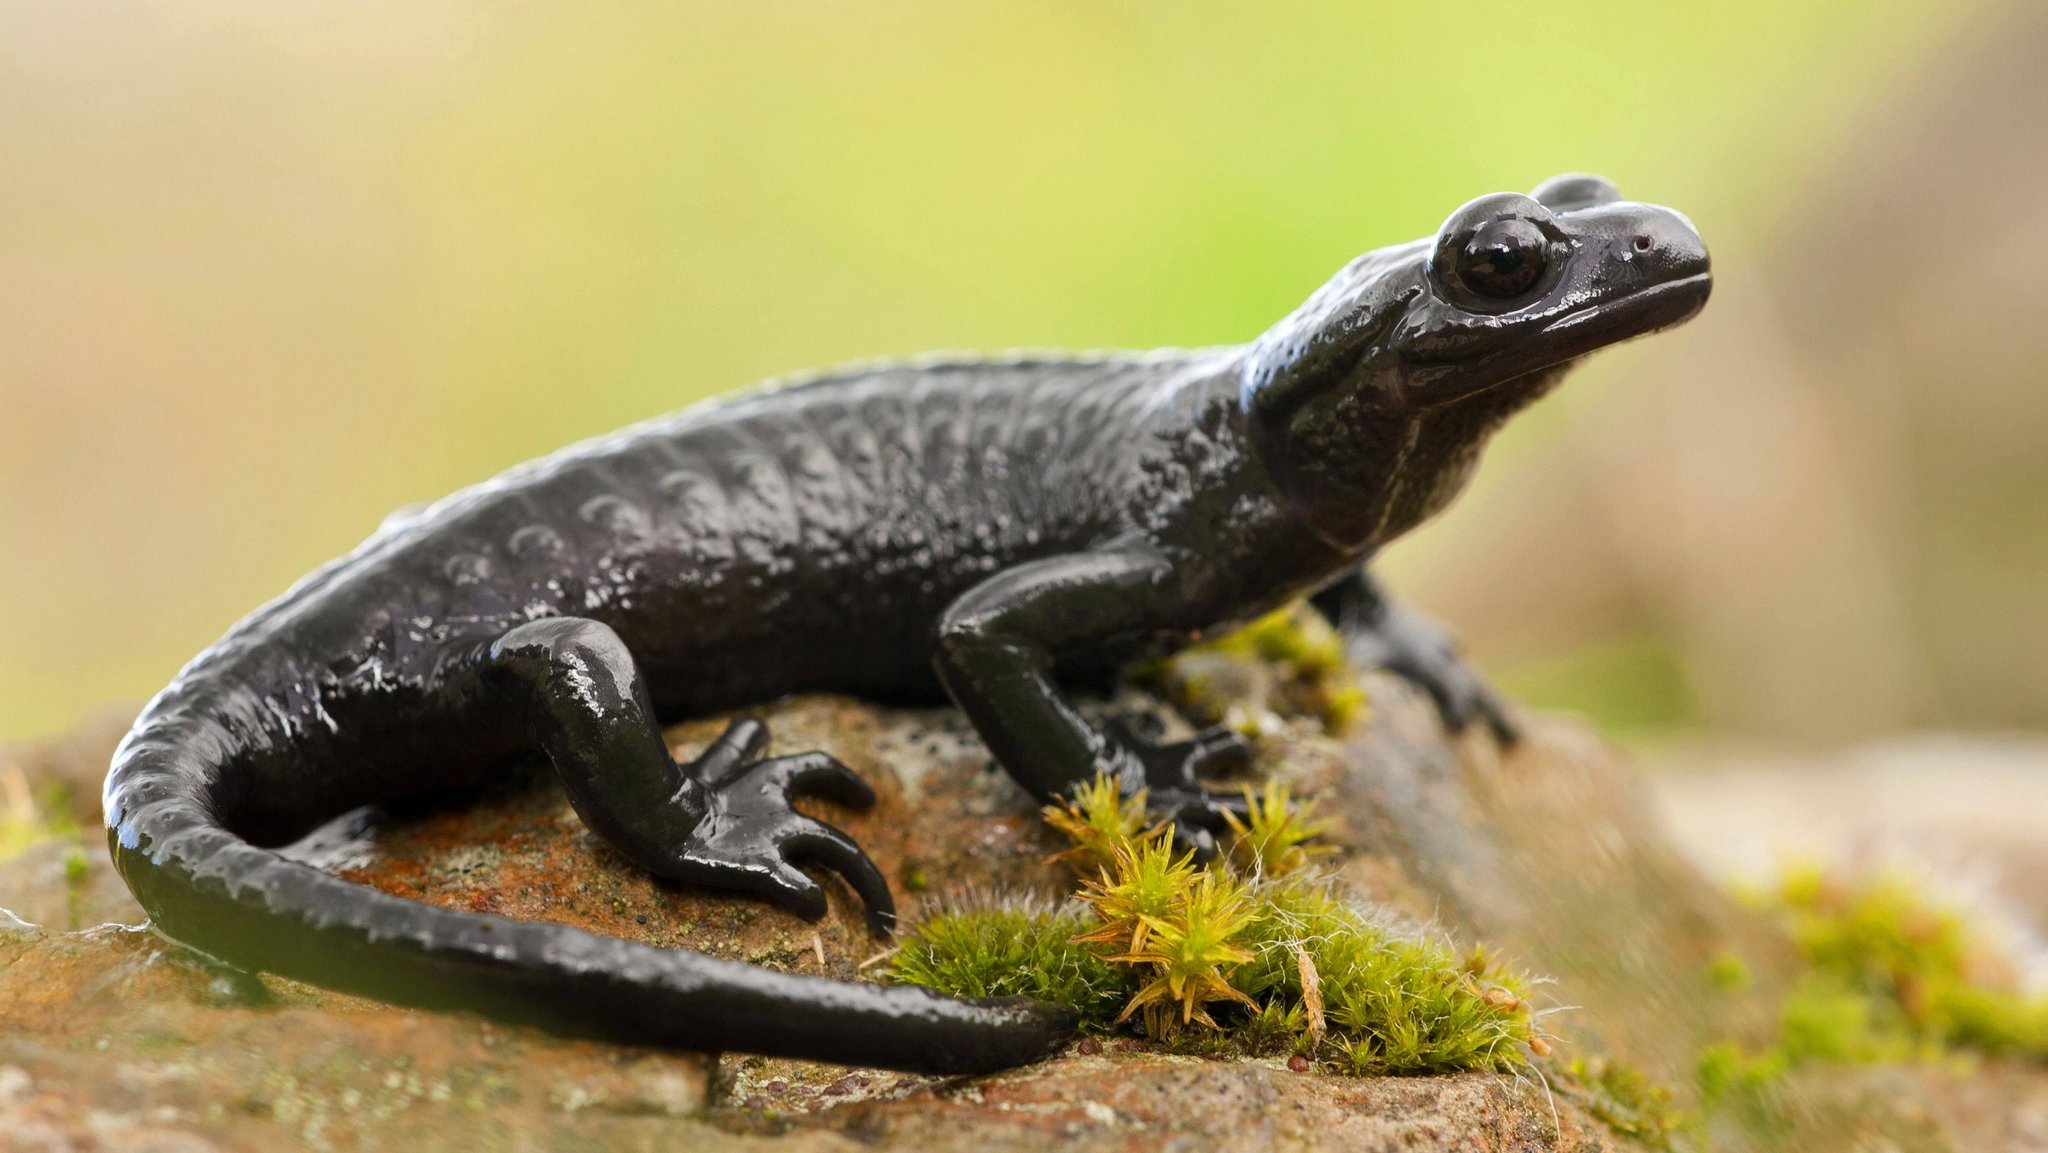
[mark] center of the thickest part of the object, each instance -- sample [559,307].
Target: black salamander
[957,527]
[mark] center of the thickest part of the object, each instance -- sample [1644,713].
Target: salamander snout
[1664,242]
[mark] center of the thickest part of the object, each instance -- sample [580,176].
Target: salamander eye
[1503,260]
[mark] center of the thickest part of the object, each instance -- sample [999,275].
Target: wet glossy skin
[949,526]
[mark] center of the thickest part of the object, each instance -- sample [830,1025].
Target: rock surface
[111,1037]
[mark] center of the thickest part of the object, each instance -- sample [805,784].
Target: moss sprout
[1190,954]
[1099,821]
[1143,886]
[1273,839]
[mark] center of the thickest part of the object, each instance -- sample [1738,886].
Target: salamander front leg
[722,821]
[997,644]
[1380,633]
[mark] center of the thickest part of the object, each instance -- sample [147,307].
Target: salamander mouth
[1584,330]
[1637,314]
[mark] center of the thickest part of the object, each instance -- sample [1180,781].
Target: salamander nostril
[1644,243]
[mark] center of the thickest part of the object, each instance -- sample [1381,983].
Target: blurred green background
[269,271]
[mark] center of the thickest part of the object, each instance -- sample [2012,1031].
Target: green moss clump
[1724,1071]
[1825,1019]
[1261,959]
[1014,949]
[1728,972]
[1991,1021]
[1387,1003]
[1304,673]
[1890,976]
[1297,635]
[30,817]
[1928,984]
[1630,1104]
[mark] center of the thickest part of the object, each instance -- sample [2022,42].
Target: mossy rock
[1547,856]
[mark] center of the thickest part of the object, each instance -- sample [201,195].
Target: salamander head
[1378,392]
[1509,286]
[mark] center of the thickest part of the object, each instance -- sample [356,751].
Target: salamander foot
[751,840]
[1170,777]
[1423,653]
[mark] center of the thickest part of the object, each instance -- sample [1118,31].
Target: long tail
[209,888]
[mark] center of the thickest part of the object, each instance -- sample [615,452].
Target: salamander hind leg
[1382,633]
[723,820]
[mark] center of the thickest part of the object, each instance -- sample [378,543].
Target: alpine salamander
[978,528]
